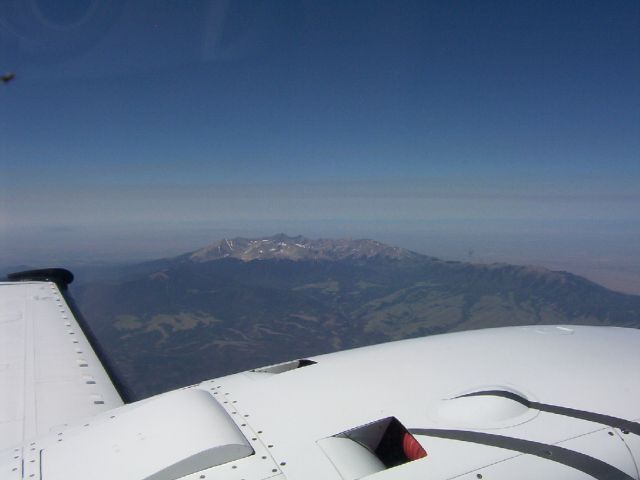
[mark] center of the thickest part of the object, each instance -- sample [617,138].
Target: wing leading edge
[49,372]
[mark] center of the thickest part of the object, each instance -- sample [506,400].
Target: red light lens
[412,449]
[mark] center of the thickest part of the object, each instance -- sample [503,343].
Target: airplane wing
[534,402]
[49,373]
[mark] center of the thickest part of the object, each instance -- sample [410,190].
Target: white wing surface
[531,403]
[49,374]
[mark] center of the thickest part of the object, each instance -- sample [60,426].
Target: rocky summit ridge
[284,247]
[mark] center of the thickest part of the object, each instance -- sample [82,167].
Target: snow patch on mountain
[284,247]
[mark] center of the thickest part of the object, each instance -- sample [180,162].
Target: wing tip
[60,276]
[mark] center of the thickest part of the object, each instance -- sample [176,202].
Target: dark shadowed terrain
[244,303]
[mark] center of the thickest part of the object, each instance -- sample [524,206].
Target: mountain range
[283,247]
[242,303]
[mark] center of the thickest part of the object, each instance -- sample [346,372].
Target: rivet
[611,433]
[234,466]
[246,415]
[283,463]
[259,431]
[263,457]
[270,446]
[274,469]
[479,475]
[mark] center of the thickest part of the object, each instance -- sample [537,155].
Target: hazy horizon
[445,240]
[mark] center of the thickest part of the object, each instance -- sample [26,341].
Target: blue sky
[179,116]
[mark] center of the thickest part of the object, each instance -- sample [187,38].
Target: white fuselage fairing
[518,402]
